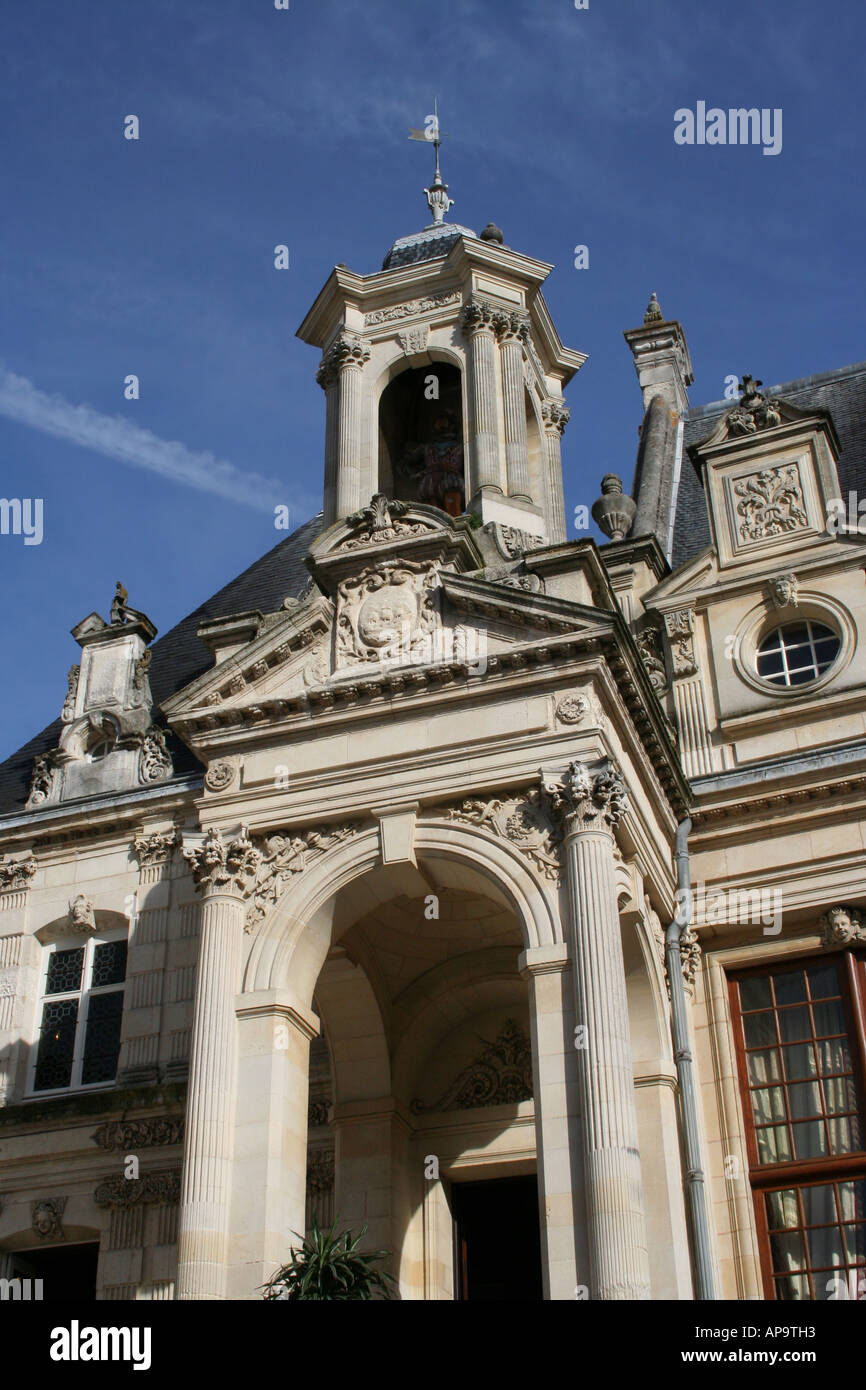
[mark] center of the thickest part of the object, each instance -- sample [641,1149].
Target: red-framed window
[801,1054]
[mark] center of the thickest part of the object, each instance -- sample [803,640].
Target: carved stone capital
[555,416]
[155,848]
[588,799]
[679,626]
[16,875]
[842,926]
[478,315]
[220,868]
[510,325]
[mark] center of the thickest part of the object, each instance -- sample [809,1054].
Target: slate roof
[842,393]
[179,657]
[434,241]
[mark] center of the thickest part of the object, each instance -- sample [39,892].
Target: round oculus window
[797,653]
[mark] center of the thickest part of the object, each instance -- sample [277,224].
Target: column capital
[478,314]
[347,350]
[510,325]
[218,868]
[17,874]
[154,848]
[555,416]
[588,799]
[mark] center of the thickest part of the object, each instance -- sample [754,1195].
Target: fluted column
[328,377]
[345,360]
[224,874]
[591,803]
[478,320]
[512,329]
[555,416]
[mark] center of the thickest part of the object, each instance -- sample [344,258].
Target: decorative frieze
[771,503]
[842,926]
[679,626]
[500,1075]
[118,1191]
[128,1135]
[395,312]
[523,818]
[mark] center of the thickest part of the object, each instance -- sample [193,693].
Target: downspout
[696,1197]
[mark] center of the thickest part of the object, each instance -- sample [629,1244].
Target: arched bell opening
[421,456]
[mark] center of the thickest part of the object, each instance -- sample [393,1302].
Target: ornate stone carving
[17,874]
[500,1075]
[521,817]
[477,314]
[381,523]
[156,847]
[555,416]
[154,762]
[771,503]
[679,626]
[511,325]
[347,350]
[841,926]
[784,590]
[220,868]
[650,647]
[318,1111]
[588,800]
[414,340]
[529,583]
[8,984]
[690,957]
[386,613]
[320,1171]
[573,708]
[127,1135]
[42,782]
[394,312]
[46,1215]
[140,683]
[221,775]
[754,411]
[512,542]
[285,854]
[150,1188]
[82,917]
[67,714]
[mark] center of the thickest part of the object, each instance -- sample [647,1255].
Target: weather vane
[437,194]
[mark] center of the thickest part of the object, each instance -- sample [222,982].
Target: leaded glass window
[79,1038]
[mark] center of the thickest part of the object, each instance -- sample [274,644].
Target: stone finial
[653,310]
[754,411]
[492,233]
[614,511]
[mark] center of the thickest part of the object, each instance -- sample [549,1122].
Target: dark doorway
[496,1240]
[68,1272]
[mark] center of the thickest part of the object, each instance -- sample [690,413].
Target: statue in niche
[438,465]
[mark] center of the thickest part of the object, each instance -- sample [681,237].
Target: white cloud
[118,438]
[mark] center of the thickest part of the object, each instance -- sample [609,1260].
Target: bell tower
[443,375]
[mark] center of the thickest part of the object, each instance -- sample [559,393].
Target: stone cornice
[75,1109]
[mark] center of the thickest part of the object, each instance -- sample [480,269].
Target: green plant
[330,1266]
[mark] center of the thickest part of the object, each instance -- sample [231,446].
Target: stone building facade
[453,877]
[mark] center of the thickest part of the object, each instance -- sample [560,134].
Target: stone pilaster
[224,874]
[478,323]
[512,330]
[555,416]
[591,803]
[344,362]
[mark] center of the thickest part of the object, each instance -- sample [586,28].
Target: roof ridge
[802,383]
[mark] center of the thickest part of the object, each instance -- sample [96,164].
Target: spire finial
[437,194]
[653,310]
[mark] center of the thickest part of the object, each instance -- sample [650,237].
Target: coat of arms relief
[388,614]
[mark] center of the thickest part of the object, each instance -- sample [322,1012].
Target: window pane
[852,1200]
[764,1066]
[846,1135]
[825,1247]
[839,1094]
[792,1288]
[782,1209]
[795,1023]
[804,1100]
[823,981]
[774,1145]
[755,993]
[102,1040]
[819,1205]
[56,1045]
[790,988]
[768,1104]
[798,1062]
[760,1029]
[788,1251]
[64,971]
[833,1056]
[109,964]
[810,1139]
[829,1018]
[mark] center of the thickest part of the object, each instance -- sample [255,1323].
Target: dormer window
[797,653]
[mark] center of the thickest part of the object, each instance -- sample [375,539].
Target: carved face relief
[383,616]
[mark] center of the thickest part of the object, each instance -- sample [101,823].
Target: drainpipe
[696,1197]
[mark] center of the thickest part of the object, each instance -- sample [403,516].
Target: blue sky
[259,127]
